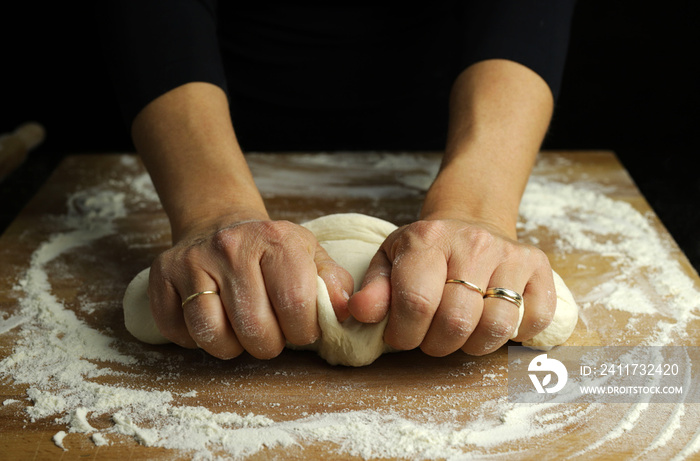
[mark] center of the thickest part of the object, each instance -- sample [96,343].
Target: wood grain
[456,389]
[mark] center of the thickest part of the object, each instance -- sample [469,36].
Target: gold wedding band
[471,286]
[191,297]
[505,293]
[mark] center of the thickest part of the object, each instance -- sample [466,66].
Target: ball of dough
[351,239]
[137,312]
[563,323]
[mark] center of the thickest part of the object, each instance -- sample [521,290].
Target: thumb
[371,303]
[338,281]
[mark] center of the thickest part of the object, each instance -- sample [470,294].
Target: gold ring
[191,297]
[471,286]
[505,293]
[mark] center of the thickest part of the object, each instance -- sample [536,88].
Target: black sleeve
[534,33]
[153,46]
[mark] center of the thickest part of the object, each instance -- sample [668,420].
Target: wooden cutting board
[100,217]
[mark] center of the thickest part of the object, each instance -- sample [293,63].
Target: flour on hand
[351,240]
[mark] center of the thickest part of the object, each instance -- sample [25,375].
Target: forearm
[264,272]
[187,142]
[499,114]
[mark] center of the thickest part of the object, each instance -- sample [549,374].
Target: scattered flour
[58,439]
[99,439]
[71,371]
[13,321]
[78,421]
[589,222]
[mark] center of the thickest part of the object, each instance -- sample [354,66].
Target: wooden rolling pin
[15,146]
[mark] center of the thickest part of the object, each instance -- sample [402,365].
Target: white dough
[563,323]
[351,240]
[137,312]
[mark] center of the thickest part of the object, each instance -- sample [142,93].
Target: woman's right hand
[264,272]
[265,275]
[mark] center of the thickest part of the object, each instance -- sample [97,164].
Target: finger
[209,326]
[290,280]
[417,281]
[462,300]
[540,301]
[339,282]
[249,311]
[499,318]
[165,304]
[371,303]
[455,319]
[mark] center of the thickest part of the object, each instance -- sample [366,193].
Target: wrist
[499,113]
[494,223]
[471,195]
[188,145]
[205,220]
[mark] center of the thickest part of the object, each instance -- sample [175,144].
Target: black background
[630,85]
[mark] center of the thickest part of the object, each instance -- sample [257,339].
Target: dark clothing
[335,76]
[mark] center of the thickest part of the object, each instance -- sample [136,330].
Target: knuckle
[180,262]
[543,318]
[161,270]
[277,233]
[203,330]
[430,228]
[540,258]
[419,234]
[260,347]
[247,326]
[498,329]
[540,323]
[294,300]
[528,256]
[156,290]
[457,326]
[255,336]
[518,256]
[223,240]
[479,239]
[417,304]
[429,232]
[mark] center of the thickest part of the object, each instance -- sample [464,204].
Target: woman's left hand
[407,280]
